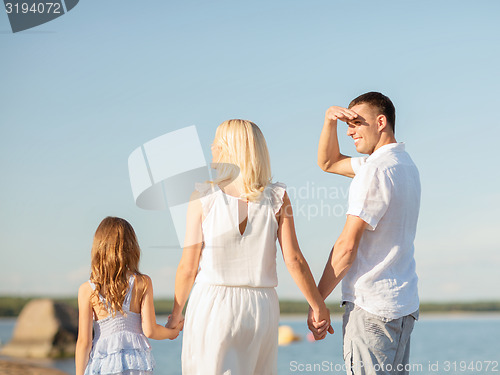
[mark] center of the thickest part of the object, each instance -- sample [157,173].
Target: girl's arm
[150,328]
[297,265]
[85,319]
[188,265]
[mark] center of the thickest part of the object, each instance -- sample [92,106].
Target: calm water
[446,344]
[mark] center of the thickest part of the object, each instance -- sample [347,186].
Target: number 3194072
[42,7]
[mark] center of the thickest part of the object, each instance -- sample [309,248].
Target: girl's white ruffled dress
[231,323]
[119,345]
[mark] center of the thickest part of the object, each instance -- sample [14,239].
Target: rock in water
[44,329]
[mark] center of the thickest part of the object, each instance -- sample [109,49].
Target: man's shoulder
[388,167]
[375,166]
[390,161]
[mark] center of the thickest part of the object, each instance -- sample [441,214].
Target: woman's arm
[84,341]
[150,328]
[188,265]
[297,265]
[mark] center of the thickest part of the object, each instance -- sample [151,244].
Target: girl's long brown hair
[115,255]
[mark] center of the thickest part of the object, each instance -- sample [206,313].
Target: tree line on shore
[12,306]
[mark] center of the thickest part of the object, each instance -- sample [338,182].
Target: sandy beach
[13,367]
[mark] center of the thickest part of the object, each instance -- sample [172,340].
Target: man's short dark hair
[381,102]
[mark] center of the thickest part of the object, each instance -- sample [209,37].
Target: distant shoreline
[12,306]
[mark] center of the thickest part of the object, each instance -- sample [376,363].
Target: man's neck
[385,139]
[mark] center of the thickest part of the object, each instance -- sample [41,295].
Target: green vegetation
[480,306]
[12,306]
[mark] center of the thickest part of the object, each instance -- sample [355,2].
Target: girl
[230,250]
[119,300]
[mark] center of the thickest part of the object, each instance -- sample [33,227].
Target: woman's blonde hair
[243,151]
[115,255]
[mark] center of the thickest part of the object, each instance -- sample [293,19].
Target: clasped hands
[175,322]
[319,323]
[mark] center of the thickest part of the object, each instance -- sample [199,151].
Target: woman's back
[233,311]
[234,254]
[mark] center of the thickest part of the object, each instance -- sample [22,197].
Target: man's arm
[342,255]
[329,157]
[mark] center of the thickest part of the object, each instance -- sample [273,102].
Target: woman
[231,324]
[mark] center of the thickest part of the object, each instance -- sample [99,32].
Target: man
[374,253]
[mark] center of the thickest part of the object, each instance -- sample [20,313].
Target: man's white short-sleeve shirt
[385,193]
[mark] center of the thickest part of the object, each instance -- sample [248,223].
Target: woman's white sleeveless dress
[231,323]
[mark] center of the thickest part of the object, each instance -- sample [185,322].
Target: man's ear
[381,123]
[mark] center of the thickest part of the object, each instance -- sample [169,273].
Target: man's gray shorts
[376,345]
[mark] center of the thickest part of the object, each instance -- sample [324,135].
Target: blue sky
[80,93]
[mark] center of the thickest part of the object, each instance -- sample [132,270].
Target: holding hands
[176,323]
[319,323]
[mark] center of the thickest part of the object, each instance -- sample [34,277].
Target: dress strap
[128,296]
[101,298]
